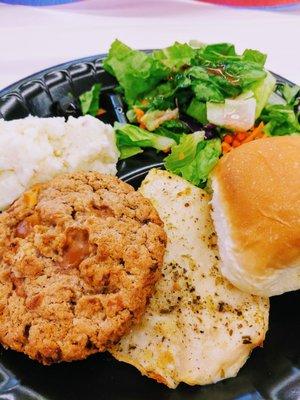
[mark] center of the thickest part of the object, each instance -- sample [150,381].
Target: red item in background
[255,3]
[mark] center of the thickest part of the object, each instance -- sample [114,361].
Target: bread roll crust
[257,188]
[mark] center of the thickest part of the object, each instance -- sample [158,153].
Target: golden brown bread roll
[256,212]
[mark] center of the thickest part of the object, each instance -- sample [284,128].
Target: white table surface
[33,38]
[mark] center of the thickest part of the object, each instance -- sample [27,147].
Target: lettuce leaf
[129,151]
[184,153]
[262,92]
[205,85]
[254,56]
[153,119]
[290,94]
[173,129]
[176,125]
[225,52]
[136,71]
[218,82]
[168,133]
[207,91]
[280,119]
[162,97]
[245,74]
[194,158]
[132,136]
[232,73]
[176,56]
[89,101]
[218,52]
[197,110]
[237,114]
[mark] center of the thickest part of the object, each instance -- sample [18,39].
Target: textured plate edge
[40,74]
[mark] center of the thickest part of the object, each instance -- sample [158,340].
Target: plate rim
[40,75]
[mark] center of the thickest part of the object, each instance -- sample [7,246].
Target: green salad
[195,102]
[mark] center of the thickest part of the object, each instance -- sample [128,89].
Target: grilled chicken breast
[198,328]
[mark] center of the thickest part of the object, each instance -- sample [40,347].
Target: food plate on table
[73,89]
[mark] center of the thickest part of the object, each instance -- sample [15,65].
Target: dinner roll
[256,212]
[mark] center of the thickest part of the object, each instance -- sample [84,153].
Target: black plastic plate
[272,372]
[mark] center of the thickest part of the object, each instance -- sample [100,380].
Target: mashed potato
[34,150]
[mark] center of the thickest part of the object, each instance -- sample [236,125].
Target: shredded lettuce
[194,158]
[198,84]
[89,101]
[180,73]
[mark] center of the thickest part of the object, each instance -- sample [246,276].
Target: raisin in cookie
[79,259]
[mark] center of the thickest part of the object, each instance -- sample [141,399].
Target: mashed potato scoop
[198,328]
[34,150]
